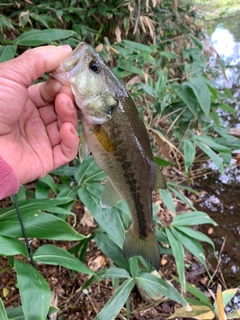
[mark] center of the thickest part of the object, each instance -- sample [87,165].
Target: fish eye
[94,66]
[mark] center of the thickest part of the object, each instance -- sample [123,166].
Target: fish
[115,134]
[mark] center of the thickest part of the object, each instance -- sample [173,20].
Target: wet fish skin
[118,140]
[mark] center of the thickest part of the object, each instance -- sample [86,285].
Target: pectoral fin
[159,179]
[104,140]
[110,196]
[83,150]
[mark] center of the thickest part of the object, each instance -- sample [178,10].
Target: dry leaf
[210,230]
[5,292]
[220,306]
[97,263]
[99,47]
[118,33]
[87,220]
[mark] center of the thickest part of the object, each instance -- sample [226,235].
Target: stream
[220,194]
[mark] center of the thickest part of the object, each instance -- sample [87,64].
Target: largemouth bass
[118,140]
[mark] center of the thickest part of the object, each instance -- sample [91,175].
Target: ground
[76,304]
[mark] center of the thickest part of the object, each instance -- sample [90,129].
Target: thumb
[33,63]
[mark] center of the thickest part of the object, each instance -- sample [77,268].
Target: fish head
[94,86]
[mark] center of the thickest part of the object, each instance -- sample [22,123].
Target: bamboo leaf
[155,286]
[178,252]
[53,255]
[3,314]
[192,218]
[116,302]
[34,290]
[37,37]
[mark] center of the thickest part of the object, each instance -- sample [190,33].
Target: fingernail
[66,46]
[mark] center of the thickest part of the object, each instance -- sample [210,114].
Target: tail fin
[148,249]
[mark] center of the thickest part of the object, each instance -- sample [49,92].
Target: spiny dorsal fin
[104,140]
[110,196]
[159,179]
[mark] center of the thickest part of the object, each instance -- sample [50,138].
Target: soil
[77,304]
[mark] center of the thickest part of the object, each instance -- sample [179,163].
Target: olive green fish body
[119,143]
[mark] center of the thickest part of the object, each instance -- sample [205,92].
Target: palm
[37,126]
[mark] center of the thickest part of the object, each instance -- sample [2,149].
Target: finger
[66,110]
[33,63]
[48,114]
[54,134]
[44,93]
[67,149]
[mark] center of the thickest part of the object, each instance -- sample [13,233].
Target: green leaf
[212,144]
[189,153]
[168,200]
[3,314]
[15,313]
[196,235]
[88,172]
[215,158]
[109,219]
[178,252]
[38,224]
[192,218]
[34,291]
[154,286]
[133,263]
[53,255]
[7,52]
[116,302]
[111,250]
[48,180]
[191,245]
[161,162]
[114,272]
[228,294]
[37,37]
[169,54]
[181,196]
[11,247]
[197,293]
[201,92]
[187,95]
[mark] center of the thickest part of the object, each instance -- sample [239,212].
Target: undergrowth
[157,49]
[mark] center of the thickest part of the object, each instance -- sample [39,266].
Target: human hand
[38,123]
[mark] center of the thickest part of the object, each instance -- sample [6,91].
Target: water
[221,196]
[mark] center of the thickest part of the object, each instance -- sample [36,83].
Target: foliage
[169,76]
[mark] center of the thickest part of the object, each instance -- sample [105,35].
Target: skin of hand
[38,122]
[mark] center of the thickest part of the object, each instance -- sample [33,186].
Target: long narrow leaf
[108,219]
[11,247]
[3,315]
[116,302]
[53,255]
[192,218]
[178,252]
[191,244]
[154,285]
[34,290]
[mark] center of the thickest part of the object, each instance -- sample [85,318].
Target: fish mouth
[66,69]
